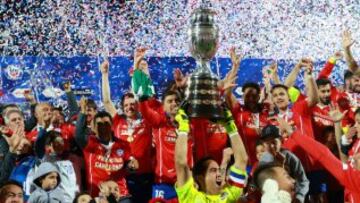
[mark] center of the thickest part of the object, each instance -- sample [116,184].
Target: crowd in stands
[280,145]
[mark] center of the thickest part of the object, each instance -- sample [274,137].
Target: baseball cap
[270,132]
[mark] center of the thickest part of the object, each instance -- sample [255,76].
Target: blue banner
[45,75]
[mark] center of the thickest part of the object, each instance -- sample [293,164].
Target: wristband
[332,60]
[181,133]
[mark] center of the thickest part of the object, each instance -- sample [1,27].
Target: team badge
[14,72]
[120,152]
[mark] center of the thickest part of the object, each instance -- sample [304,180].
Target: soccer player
[161,117]
[250,117]
[132,129]
[105,156]
[206,172]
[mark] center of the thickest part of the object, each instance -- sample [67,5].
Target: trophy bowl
[202,94]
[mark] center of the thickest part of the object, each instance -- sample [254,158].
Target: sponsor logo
[13,72]
[52,92]
[19,93]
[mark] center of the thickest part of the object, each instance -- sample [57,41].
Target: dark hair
[91,104]
[8,106]
[38,180]
[251,85]
[169,93]
[263,172]
[276,86]
[199,171]
[259,142]
[322,82]
[357,111]
[60,109]
[125,96]
[102,114]
[51,136]
[348,74]
[79,195]
[5,184]
[11,112]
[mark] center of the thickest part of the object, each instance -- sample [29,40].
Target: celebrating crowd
[281,144]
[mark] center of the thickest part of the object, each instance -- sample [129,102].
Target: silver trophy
[202,95]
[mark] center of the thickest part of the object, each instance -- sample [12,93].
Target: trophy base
[203,97]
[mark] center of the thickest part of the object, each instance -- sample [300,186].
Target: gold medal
[130,139]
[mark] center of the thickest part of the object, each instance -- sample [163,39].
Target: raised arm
[71,100]
[40,143]
[183,172]
[336,117]
[228,83]
[8,152]
[310,85]
[237,145]
[152,116]
[329,65]
[81,136]
[291,78]
[274,73]
[105,87]
[347,42]
[31,122]
[316,150]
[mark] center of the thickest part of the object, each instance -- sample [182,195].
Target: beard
[356,88]
[105,132]
[325,101]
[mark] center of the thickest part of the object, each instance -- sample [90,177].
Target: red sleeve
[236,109]
[321,154]
[116,119]
[127,151]
[327,69]
[301,107]
[154,116]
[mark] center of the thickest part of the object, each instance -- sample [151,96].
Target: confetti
[261,29]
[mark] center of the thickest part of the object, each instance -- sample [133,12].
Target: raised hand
[347,40]
[29,96]
[274,71]
[14,140]
[235,58]
[335,114]
[104,67]
[138,56]
[179,78]
[227,153]
[285,128]
[67,86]
[83,103]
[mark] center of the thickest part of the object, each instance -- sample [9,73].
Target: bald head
[43,111]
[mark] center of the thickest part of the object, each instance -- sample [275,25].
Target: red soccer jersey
[138,137]
[105,163]
[300,115]
[347,176]
[321,120]
[210,139]
[249,125]
[164,137]
[66,131]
